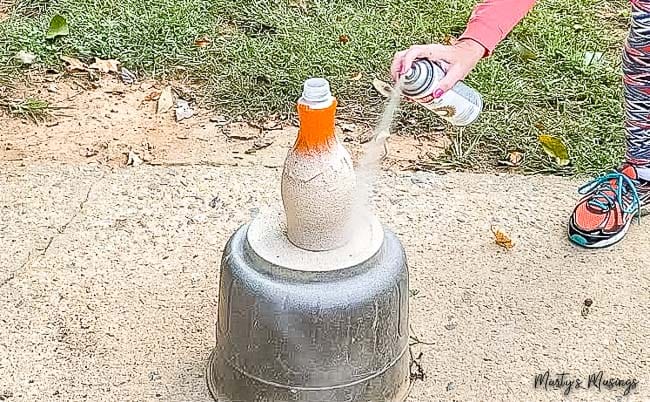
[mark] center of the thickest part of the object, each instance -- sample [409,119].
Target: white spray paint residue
[370,163]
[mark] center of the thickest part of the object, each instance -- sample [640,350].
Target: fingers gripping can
[460,106]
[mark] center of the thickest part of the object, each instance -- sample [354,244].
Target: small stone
[588,302]
[450,386]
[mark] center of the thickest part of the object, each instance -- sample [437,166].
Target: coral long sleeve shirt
[492,21]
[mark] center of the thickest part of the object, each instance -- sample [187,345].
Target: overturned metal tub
[313,300]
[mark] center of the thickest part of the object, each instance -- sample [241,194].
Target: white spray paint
[375,151]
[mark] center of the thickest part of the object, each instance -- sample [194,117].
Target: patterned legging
[636,79]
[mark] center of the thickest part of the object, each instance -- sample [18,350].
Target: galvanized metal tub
[290,335]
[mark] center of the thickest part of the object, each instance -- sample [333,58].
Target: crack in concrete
[60,231]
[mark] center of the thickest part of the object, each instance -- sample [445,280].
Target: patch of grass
[262,51]
[35,109]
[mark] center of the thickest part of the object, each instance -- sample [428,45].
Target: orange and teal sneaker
[611,202]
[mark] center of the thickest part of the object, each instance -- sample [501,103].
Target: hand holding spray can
[460,106]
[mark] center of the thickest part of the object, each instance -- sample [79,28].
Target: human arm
[490,22]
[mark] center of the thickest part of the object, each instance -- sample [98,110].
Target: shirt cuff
[487,35]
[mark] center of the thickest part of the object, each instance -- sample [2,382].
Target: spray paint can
[460,106]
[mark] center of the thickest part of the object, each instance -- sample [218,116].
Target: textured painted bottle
[318,164]
[298,325]
[460,106]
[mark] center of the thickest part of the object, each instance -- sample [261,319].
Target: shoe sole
[582,242]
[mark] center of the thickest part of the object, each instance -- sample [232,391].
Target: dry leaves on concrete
[502,239]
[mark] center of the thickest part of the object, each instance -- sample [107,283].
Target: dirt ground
[100,122]
[109,271]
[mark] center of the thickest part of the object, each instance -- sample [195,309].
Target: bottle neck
[316,132]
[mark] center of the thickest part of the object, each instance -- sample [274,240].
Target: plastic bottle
[318,180]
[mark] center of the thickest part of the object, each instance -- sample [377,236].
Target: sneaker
[603,216]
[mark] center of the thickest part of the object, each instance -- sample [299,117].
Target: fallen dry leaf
[74,64]
[152,96]
[356,76]
[166,100]
[202,42]
[301,4]
[344,39]
[555,148]
[105,66]
[502,239]
[449,40]
[257,145]
[183,110]
[515,158]
[525,52]
[382,87]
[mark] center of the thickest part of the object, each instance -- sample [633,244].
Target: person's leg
[611,202]
[636,70]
